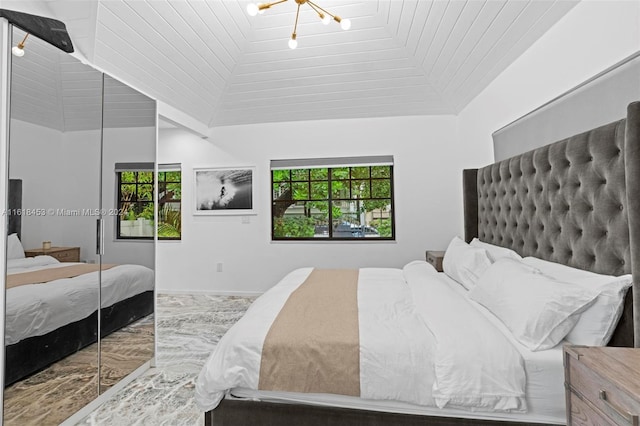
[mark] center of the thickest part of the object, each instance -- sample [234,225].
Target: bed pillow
[495,252]
[597,323]
[537,309]
[14,247]
[463,263]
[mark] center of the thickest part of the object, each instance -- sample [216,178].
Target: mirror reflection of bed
[76,322]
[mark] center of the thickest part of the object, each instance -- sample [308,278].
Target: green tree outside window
[333,203]
[136,205]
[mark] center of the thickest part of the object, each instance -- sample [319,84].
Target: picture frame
[224,190]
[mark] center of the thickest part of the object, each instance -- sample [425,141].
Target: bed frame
[34,354]
[566,202]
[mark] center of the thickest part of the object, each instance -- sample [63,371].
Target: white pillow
[597,323]
[495,252]
[538,310]
[464,263]
[14,247]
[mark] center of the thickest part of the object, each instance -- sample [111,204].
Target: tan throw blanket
[52,274]
[314,343]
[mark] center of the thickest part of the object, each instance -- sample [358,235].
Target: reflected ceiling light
[253,9]
[19,49]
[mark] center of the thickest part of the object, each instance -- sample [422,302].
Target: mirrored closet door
[81,235]
[51,321]
[128,156]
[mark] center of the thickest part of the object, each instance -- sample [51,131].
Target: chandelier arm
[318,11]
[295,26]
[268,5]
[21,44]
[315,7]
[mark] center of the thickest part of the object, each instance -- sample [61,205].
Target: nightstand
[602,385]
[63,254]
[435,258]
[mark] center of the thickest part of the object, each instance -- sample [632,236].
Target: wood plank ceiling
[52,89]
[214,62]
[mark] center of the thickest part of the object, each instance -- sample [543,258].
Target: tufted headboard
[14,205]
[575,202]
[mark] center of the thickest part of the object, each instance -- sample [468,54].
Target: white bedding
[405,380]
[37,309]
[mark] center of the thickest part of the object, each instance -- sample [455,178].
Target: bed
[564,203]
[42,327]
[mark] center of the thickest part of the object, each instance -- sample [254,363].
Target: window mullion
[330,198]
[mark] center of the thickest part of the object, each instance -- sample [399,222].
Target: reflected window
[135,204]
[169,202]
[347,199]
[136,201]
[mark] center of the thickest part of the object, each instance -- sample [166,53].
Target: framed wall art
[224,190]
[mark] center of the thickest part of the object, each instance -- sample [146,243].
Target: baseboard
[212,292]
[96,403]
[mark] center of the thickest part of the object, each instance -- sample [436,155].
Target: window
[169,202]
[135,186]
[332,198]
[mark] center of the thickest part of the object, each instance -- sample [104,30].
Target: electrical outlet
[245,220]
[219,267]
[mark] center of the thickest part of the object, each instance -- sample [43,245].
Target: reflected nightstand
[435,257]
[63,254]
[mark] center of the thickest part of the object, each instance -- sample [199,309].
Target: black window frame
[331,199]
[120,200]
[171,201]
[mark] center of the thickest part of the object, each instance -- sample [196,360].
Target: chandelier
[326,17]
[18,50]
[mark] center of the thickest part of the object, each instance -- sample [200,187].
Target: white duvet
[37,309]
[421,342]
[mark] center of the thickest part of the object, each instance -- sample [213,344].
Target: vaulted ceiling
[212,61]
[52,89]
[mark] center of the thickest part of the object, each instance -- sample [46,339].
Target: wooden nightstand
[435,258]
[602,385]
[63,254]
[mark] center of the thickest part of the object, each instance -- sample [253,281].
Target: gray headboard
[14,204]
[568,202]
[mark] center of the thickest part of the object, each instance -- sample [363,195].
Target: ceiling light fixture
[19,49]
[253,9]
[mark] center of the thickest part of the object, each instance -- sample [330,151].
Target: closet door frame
[5,84]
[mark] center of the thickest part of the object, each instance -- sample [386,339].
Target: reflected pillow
[537,309]
[464,263]
[14,247]
[597,323]
[495,252]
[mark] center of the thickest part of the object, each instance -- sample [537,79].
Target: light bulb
[293,43]
[17,51]
[326,19]
[345,24]
[252,9]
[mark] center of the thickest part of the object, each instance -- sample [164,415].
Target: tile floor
[189,327]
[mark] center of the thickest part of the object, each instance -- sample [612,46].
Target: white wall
[593,36]
[428,200]
[59,172]
[124,145]
[31,151]
[80,157]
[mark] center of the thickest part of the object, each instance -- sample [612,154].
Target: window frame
[165,169]
[331,200]
[119,202]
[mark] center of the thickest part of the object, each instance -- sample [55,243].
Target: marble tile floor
[188,328]
[53,394]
